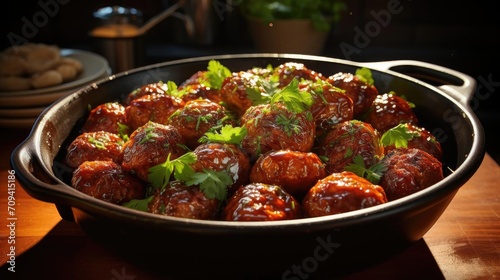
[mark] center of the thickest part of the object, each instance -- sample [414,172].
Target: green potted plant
[293,26]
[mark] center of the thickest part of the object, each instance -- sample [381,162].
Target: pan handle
[457,85]
[37,181]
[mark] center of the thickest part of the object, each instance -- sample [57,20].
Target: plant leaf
[295,100]
[227,134]
[216,73]
[139,204]
[372,174]
[159,175]
[398,136]
[213,184]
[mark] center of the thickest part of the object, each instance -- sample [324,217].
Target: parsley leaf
[159,175]
[227,134]
[372,174]
[398,136]
[270,87]
[295,100]
[139,204]
[174,91]
[215,75]
[213,184]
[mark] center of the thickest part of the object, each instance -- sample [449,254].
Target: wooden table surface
[463,244]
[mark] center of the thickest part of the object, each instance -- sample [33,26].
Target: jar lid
[118,14]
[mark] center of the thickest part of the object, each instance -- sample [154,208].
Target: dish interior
[370,230]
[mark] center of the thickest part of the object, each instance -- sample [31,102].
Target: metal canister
[116,36]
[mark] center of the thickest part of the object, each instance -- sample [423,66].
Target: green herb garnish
[98,143]
[270,87]
[215,75]
[295,100]
[159,175]
[290,125]
[149,135]
[122,131]
[365,75]
[372,174]
[213,184]
[227,134]
[398,136]
[139,204]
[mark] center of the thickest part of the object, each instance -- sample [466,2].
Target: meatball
[106,180]
[106,117]
[288,71]
[152,107]
[419,138]
[195,87]
[272,127]
[224,157]
[90,146]
[361,93]
[234,91]
[200,91]
[388,110]
[150,145]
[160,88]
[340,193]
[261,202]
[331,106]
[179,200]
[197,117]
[409,171]
[295,172]
[345,141]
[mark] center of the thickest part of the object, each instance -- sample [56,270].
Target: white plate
[94,66]
[21,112]
[37,100]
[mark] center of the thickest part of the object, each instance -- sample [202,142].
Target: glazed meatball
[91,146]
[361,93]
[234,91]
[179,200]
[409,171]
[106,117]
[106,180]
[288,71]
[224,157]
[197,117]
[160,88]
[345,141]
[331,106]
[295,172]
[273,127]
[196,87]
[152,107]
[150,145]
[419,138]
[261,202]
[388,110]
[340,193]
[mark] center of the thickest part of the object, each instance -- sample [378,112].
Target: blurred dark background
[463,37]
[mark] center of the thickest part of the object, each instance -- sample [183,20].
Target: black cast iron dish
[332,242]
